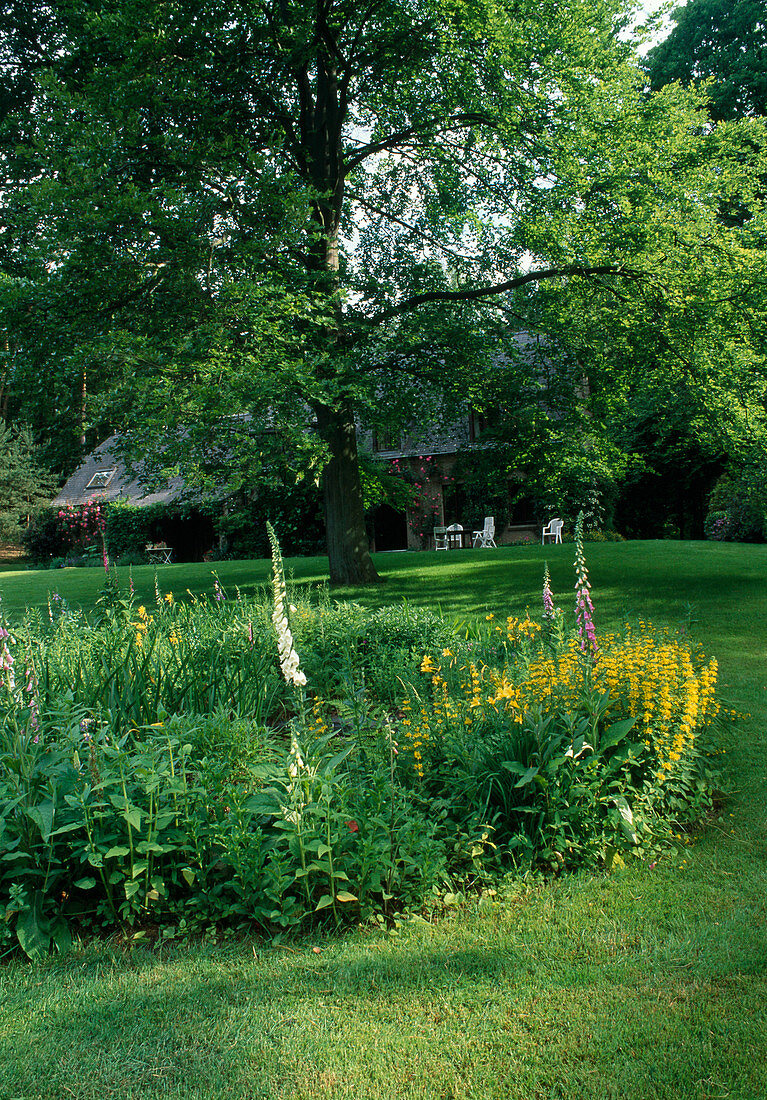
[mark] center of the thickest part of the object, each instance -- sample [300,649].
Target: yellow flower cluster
[317,723]
[521,630]
[142,625]
[416,734]
[647,674]
[665,684]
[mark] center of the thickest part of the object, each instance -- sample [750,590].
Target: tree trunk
[347,541]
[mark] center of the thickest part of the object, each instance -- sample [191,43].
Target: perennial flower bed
[279,761]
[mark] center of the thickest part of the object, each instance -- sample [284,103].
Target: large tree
[322,210]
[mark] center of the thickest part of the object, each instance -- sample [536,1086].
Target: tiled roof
[122,485]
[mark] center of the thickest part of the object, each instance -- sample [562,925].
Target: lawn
[650,982]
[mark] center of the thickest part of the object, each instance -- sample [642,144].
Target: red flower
[353,826]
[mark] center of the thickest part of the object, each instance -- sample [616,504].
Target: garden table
[159,555]
[458,539]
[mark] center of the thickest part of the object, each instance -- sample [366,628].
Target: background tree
[722,42]
[321,212]
[25,484]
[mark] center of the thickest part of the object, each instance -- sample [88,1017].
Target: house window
[478,425]
[385,440]
[101,479]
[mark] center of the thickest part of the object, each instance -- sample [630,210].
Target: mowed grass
[651,982]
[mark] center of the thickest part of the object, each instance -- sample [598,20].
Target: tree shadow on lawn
[661,578]
[151,1031]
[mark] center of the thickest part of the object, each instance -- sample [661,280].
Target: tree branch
[405,225]
[476,293]
[432,128]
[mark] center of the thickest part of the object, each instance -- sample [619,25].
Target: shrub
[295,512]
[738,507]
[44,538]
[129,528]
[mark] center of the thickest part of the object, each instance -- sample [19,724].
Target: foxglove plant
[584,609]
[6,660]
[289,660]
[548,597]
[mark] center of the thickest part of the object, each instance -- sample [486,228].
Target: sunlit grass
[650,983]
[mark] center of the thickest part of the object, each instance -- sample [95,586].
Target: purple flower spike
[584,609]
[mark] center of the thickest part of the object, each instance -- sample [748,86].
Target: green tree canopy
[244,218]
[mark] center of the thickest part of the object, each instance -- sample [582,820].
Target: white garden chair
[440,538]
[552,531]
[485,538]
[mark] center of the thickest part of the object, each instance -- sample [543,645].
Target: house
[428,456]
[105,477]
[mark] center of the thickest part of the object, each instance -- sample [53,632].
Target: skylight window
[101,479]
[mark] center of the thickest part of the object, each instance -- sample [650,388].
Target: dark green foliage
[347,649]
[738,507]
[129,529]
[484,476]
[45,539]
[295,511]
[25,483]
[547,793]
[721,41]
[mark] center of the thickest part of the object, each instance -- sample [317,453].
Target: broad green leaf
[527,777]
[333,763]
[42,815]
[626,819]
[514,766]
[616,732]
[61,934]
[33,934]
